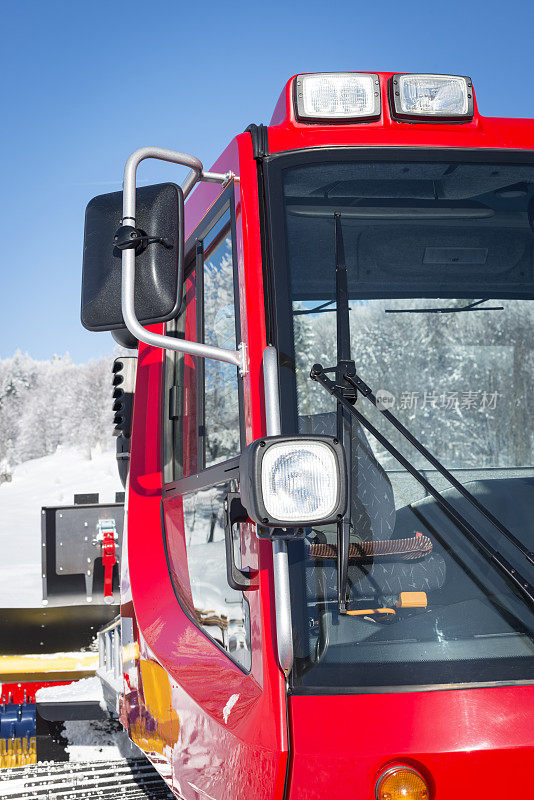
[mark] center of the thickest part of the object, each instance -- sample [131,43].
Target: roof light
[430,96]
[337,96]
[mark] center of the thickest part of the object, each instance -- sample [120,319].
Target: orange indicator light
[401,783]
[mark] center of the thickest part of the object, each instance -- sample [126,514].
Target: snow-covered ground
[86,689]
[48,481]
[98,740]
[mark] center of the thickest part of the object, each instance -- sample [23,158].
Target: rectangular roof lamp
[337,96]
[430,97]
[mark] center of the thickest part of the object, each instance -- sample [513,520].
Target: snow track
[128,779]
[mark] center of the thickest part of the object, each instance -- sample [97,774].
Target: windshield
[440,275]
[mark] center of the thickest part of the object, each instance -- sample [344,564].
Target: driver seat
[373,526]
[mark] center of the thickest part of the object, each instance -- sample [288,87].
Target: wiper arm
[344,420]
[320,375]
[474,306]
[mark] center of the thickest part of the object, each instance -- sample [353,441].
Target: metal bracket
[282,593]
[106,538]
[196,174]
[128,237]
[234,512]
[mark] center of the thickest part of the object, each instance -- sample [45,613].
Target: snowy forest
[44,404]
[461,382]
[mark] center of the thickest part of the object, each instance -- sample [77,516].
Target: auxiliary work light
[337,96]
[430,96]
[294,481]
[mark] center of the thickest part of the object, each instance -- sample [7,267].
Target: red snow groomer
[327,568]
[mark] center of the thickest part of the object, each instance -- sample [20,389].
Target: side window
[202,398]
[221,612]
[221,394]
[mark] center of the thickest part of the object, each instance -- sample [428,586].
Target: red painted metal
[468,743]
[109,560]
[25,692]
[245,755]
[288,133]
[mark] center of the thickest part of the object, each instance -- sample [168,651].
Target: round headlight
[401,783]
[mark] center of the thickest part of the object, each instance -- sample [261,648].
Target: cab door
[223,688]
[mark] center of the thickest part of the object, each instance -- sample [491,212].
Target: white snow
[48,481]
[95,740]
[86,689]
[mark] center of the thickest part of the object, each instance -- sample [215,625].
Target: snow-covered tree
[462,382]
[44,404]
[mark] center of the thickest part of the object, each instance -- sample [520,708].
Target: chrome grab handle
[236,357]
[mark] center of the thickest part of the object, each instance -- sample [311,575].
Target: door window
[203,401]
[222,612]
[221,394]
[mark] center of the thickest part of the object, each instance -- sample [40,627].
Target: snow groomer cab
[327,573]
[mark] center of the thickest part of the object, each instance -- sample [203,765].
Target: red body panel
[287,133]
[244,754]
[470,742]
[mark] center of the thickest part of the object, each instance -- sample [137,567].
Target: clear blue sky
[198,73]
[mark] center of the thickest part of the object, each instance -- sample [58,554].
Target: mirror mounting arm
[236,357]
[128,237]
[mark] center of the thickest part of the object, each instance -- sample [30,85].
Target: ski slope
[51,480]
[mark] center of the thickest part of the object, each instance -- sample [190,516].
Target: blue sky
[197,74]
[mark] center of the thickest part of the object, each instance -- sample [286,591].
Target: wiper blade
[321,309]
[474,306]
[320,375]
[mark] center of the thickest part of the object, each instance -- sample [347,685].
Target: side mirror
[158,241]
[294,481]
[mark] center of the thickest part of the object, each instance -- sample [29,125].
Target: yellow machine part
[18,752]
[163,722]
[48,666]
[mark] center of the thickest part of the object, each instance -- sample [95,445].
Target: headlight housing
[432,96]
[294,481]
[337,96]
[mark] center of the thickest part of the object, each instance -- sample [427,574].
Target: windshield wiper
[320,375]
[348,394]
[474,306]
[345,389]
[321,309]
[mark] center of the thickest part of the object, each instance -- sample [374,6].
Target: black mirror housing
[158,264]
[267,463]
